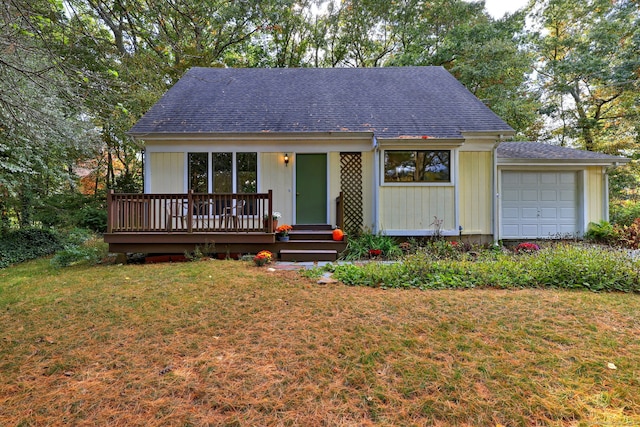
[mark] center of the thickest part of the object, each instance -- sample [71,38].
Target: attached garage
[540,204]
[546,191]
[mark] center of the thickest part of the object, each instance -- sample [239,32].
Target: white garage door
[539,204]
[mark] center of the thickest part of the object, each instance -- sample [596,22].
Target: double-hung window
[223,172]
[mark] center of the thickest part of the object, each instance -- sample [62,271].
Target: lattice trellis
[351,187]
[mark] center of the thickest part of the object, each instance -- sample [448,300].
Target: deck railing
[190,212]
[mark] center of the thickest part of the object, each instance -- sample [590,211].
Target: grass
[226,343]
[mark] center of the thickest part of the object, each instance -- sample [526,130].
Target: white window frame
[453,165]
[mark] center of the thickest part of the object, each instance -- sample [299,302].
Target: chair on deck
[232,216]
[178,210]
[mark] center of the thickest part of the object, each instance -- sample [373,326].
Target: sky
[497,8]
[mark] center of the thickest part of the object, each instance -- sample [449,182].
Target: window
[247,172]
[222,172]
[230,172]
[199,172]
[417,166]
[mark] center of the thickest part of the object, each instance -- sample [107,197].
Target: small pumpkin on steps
[338,234]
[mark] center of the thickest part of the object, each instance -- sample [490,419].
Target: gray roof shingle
[391,102]
[540,151]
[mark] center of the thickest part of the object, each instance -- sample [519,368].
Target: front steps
[311,243]
[302,255]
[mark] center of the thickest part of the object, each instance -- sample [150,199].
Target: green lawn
[227,343]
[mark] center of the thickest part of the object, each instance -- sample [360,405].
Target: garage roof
[527,152]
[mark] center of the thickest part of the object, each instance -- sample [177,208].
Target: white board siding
[476,190]
[539,204]
[413,209]
[166,173]
[596,195]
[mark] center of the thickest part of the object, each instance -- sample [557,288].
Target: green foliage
[579,267]
[441,249]
[81,246]
[561,266]
[201,252]
[601,232]
[73,255]
[624,212]
[93,217]
[69,210]
[358,247]
[588,64]
[27,243]
[629,235]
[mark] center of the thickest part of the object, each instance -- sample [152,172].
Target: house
[405,151]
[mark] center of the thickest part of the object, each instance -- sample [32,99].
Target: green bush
[73,210]
[601,232]
[562,266]
[629,235]
[624,212]
[358,247]
[27,243]
[443,249]
[81,246]
[93,218]
[578,267]
[72,255]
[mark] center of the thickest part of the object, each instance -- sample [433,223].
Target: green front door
[311,189]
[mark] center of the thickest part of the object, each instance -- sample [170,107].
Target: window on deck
[199,172]
[247,172]
[230,172]
[222,173]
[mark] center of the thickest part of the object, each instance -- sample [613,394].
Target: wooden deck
[229,224]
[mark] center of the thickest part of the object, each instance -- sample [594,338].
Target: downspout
[605,198]
[144,172]
[495,195]
[146,164]
[376,186]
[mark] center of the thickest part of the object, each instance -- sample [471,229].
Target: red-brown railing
[191,212]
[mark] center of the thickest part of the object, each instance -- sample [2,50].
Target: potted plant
[282,232]
[275,216]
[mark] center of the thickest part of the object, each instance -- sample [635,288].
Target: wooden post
[110,211]
[270,204]
[189,214]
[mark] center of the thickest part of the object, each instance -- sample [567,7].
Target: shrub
[73,210]
[358,247]
[579,267]
[444,249]
[527,248]
[26,244]
[601,232]
[562,266]
[73,255]
[624,212]
[81,247]
[629,235]
[93,217]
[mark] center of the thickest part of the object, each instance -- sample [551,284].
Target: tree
[486,55]
[588,66]
[43,131]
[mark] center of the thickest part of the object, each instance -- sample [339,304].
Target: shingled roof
[528,151]
[390,102]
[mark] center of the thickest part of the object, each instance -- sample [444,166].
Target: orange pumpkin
[338,234]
